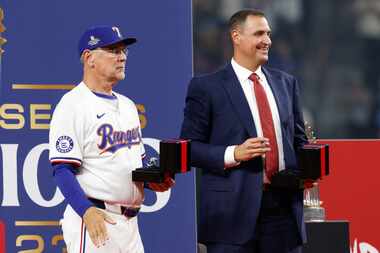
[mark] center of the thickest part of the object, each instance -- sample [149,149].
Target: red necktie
[267,125]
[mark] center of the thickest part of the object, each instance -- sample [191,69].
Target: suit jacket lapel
[238,100]
[278,92]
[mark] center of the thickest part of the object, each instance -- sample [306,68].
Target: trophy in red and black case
[313,161]
[313,210]
[174,158]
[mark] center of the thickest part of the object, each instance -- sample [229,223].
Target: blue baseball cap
[102,36]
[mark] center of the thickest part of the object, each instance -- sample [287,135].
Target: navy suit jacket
[216,116]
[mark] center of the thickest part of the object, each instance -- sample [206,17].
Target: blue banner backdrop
[39,65]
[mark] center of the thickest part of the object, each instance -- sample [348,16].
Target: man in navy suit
[240,210]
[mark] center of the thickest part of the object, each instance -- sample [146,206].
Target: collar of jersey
[91,95]
[104,95]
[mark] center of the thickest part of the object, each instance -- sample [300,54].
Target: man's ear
[235,36]
[88,58]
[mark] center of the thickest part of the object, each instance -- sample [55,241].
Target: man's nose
[122,57]
[267,40]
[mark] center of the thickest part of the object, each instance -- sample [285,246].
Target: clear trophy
[313,210]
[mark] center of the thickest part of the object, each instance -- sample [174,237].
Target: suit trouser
[276,229]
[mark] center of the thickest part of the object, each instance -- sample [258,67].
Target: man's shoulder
[212,77]
[77,90]
[124,99]
[73,98]
[277,72]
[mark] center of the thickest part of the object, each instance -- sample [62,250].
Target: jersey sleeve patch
[64,144]
[73,161]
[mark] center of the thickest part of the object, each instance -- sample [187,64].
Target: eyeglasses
[114,51]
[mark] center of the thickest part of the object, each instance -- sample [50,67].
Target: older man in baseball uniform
[95,144]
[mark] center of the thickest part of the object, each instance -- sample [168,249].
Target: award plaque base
[285,179]
[314,213]
[154,175]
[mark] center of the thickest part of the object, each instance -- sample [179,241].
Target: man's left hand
[164,186]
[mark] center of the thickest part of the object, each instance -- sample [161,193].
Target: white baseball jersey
[102,140]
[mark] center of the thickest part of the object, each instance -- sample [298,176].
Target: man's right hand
[251,148]
[94,219]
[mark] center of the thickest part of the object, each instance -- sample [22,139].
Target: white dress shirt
[243,75]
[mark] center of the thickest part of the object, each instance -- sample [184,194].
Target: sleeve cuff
[81,210]
[229,158]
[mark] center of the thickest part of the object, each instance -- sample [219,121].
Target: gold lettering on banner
[37,238]
[56,239]
[2,29]
[34,116]
[16,116]
[141,110]
[13,116]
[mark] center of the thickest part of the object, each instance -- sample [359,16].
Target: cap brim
[130,41]
[126,41]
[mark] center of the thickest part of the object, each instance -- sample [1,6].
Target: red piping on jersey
[76,164]
[81,238]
